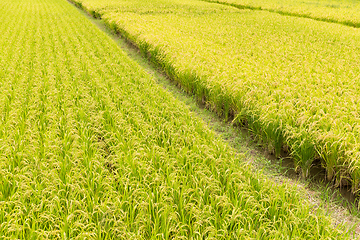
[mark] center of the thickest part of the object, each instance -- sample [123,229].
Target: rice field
[92,148]
[293,81]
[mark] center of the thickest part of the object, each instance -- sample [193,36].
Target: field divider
[305,150]
[286,13]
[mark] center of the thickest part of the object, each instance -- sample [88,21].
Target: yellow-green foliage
[92,148]
[339,11]
[295,81]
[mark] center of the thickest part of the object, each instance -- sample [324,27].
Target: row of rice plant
[92,148]
[294,81]
[344,12]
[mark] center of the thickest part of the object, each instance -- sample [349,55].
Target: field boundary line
[285,13]
[198,89]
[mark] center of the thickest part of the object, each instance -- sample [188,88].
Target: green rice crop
[92,148]
[294,81]
[344,12]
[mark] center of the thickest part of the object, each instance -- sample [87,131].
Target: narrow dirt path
[339,203]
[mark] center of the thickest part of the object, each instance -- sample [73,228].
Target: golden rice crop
[92,148]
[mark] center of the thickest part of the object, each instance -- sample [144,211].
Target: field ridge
[341,162]
[287,13]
